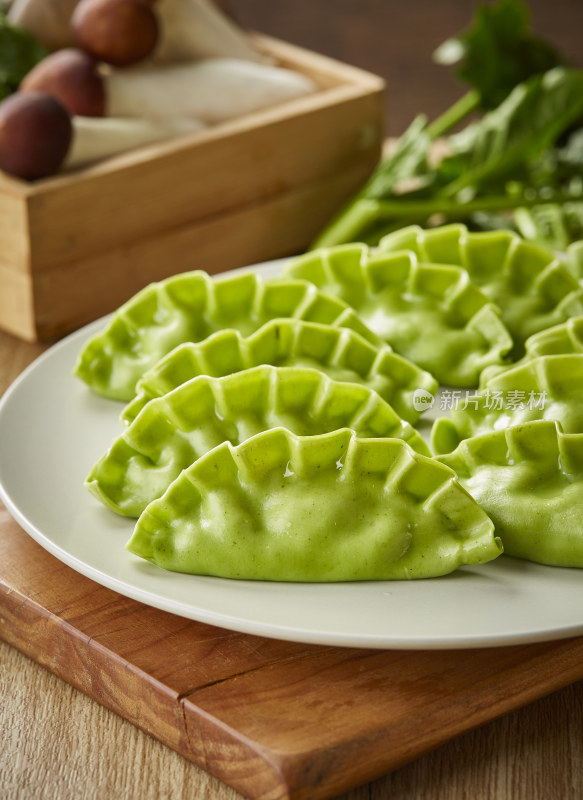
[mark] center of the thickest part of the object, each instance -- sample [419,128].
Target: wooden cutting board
[273,719]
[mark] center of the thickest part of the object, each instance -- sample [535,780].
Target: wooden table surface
[59,745]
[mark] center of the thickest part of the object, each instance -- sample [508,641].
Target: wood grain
[58,744]
[77,245]
[272,719]
[74,293]
[56,738]
[230,701]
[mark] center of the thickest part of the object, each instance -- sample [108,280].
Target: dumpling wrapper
[171,432]
[562,339]
[341,353]
[189,307]
[533,289]
[429,313]
[547,387]
[529,480]
[574,259]
[322,508]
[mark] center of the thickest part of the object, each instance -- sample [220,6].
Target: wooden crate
[74,247]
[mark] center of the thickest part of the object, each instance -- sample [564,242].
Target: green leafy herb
[552,225]
[19,52]
[511,158]
[498,52]
[493,56]
[409,160]
[527,123]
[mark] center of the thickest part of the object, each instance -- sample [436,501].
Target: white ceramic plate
[52,429]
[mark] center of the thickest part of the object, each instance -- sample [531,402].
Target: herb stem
[446,205]
[348,225]
[364,212]
[454,115]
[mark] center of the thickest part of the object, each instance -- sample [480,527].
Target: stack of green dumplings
[272,426]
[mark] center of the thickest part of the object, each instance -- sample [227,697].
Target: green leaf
[357,221]
[551,225]
[498,51]
[571,155]
[530,120]
[408,160]
[19,53]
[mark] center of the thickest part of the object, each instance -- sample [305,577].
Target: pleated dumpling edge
[323,508]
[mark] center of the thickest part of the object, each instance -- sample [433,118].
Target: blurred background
[396,39]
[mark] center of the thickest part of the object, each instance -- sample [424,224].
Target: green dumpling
[548,387]
[533,289]
[529,480]
[341,353]
[559,340]
[319,508]
[562,339]
[574,259]
[172,431]
[189,307]
[429,313]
